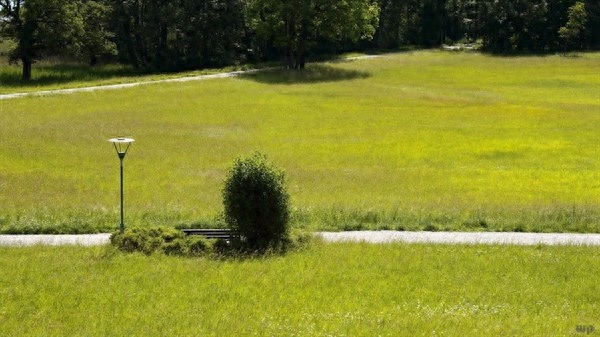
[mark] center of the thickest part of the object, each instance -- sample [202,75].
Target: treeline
[500,26]
[187,34]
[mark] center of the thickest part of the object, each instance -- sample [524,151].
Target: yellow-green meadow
[421,140]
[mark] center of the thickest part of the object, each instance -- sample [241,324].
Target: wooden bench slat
[208,233]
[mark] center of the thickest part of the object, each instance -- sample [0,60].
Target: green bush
[176,247]
[256,204]
[198,245]
[167,240]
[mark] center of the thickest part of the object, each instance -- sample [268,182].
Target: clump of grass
[151,240]
[45,221]
[168,240]
[557,220]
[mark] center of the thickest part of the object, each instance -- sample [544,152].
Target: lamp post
[121,145]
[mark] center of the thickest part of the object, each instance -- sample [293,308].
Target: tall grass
[423,140]
[328,290]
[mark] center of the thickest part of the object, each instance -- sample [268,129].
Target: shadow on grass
[57,74]
[316,73]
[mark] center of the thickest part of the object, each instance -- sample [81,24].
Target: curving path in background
[127,85]
[135,84]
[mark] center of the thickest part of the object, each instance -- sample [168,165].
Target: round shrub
[256,204]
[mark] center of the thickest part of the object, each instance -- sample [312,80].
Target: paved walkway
[489,238]
[55,240]
[359,236]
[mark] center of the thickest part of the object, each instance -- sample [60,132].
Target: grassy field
[423,140]
[327,290]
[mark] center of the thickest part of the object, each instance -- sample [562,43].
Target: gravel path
[359,236]
[128,85]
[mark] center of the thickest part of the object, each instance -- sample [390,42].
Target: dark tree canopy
[40,27]
[296,26]
[190,34]
[54,27]
[180,34]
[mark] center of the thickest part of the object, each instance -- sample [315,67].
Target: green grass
[54,75]
[421,140]
[327,290]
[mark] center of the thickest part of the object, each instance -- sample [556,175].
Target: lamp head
[121,145]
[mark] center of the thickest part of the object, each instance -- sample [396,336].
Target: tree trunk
[139,45]
[302,45]
[93,60]
[26,69]
[288,58]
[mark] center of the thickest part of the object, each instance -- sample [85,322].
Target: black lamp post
[121,145]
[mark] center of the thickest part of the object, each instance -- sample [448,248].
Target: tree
[97,38]
[462,20]
[592,27]
[15,28]
[212,32]
[388,32]
[431,23]
[575,26]
[41,27]
[179,34]
[514,25]
[295,26]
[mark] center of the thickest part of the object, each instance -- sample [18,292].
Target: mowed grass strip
[423,140]
[327,290]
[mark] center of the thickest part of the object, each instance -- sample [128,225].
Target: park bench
[209,233]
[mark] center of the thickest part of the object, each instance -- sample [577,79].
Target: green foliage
[509,26]
[256,203]
[41,27]
[168,240]
[180,34]
[5,47]
[574,27]
[195,245]
[96,39]
[296,26]
[188,34]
